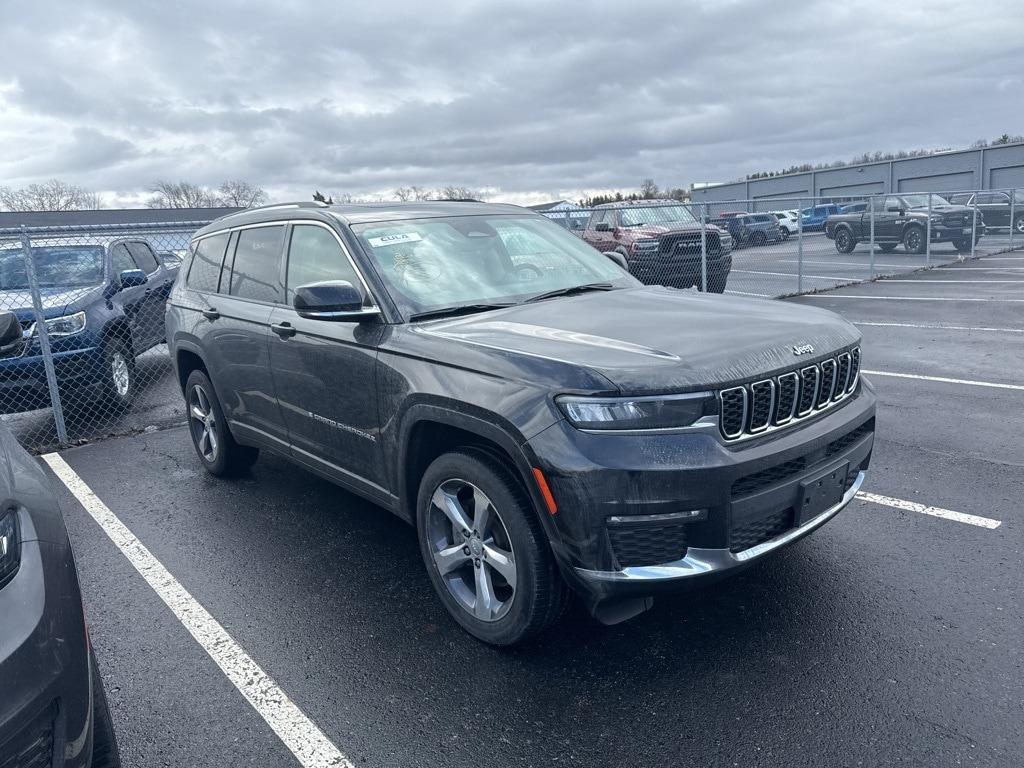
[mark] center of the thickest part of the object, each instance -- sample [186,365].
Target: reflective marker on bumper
[545,491]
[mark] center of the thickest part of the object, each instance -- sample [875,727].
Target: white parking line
[945,380]
[929,281]
[946,514]
[744,293]
[794,275]
[937,327]
[300,735]
[898,298]
[863,264]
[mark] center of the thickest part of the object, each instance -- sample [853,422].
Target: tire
[760,239]
[914,240]
[845,241]
[785,234]
[962,246]
[104,741]
[526,591]
[214,444]
[888,247]
[716,283]
[1018,225]
[119,380]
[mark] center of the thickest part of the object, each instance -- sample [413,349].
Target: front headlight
[636,413]
[63,326]
[10,546]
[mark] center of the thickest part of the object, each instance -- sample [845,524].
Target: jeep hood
[654,339]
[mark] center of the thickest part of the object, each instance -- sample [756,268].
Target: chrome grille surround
[762,406]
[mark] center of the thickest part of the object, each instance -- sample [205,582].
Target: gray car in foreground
[53,710]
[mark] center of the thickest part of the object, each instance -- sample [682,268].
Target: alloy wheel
[471,549]
[1019,224]
[120,374]
[203,423]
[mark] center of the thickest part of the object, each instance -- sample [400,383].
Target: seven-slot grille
[751,409]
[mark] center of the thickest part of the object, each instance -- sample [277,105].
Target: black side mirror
[131,278]
[619,259]
[331,300]
[10,331]
[603,226]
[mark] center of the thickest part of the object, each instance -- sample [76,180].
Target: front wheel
[485,551]
[716,283]
[1018,225]
[845,241]
[785,234]
[913,240]
[215,445]
[119,380]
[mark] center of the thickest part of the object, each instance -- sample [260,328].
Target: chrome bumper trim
[704,561]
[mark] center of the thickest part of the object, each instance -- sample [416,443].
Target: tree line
[649,190]
[879,157]
[405,195]
[58,195]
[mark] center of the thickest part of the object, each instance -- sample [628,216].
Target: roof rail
[275,206]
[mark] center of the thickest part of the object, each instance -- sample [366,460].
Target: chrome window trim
[771,406]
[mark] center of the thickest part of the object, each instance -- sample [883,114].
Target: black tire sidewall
[907,237]
[532,554]
[844,240]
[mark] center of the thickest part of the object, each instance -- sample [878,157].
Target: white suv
[789,222]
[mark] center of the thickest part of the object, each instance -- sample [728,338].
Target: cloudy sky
[532,100]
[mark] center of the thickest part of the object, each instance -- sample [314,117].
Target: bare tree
[649,190]
[238,193]
[52,195]
[403,194]
[180,194]
[452,192]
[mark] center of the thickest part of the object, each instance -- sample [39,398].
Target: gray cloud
[526,97]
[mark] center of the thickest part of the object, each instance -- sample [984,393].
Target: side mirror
[619,259]
[331,300]
[131,278]
[603,226]
[10,332]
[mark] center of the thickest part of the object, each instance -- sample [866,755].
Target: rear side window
[256,271]
[314,256]
[144,257]
[204,272]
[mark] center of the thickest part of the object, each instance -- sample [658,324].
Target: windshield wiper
[460,309]
[571,290]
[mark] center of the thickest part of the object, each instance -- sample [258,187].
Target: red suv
[660,240]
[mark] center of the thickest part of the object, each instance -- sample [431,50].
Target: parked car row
[906,220]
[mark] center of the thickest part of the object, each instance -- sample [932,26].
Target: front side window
[121,260]
[204,272]
[64,266]
[314,256]
[437,263]
[256,270]
[144,257]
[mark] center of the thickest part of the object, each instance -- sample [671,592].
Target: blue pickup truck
[813,219]
[103,304]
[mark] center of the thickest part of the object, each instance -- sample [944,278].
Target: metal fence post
[1013,215]
[928,234]
[871,256]
[44,339]
[974,228]
[799,246]
[704,248]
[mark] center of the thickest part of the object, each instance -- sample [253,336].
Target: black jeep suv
[543,419]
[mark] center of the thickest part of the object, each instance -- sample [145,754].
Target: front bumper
[23,378]
[746,496]
[680,272]
[941,233]
[46,701]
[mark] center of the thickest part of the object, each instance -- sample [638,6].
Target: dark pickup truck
[903,219]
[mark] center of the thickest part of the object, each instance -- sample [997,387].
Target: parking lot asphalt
[889,637]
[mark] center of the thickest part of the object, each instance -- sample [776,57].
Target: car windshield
[655,214]
[64,266]
[430,264]
[921,201]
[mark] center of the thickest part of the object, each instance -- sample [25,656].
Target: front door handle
[284,330]
[211,313]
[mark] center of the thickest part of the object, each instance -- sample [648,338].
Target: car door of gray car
[325,370]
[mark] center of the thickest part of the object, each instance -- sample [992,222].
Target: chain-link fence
[82,341]
[783,246]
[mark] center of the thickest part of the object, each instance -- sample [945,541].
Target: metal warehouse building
[995,167]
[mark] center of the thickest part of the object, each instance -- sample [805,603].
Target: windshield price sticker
[394,239]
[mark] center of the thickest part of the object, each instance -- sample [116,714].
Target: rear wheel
[845,241]
[215,446]
[913,240]
[485,551]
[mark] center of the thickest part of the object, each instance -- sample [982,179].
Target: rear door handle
[211,313]
[284,330]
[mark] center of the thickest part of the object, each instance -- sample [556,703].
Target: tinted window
[256,270]
[315,256]
[120,259]
[993,197]
[204,272]
[144,257]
